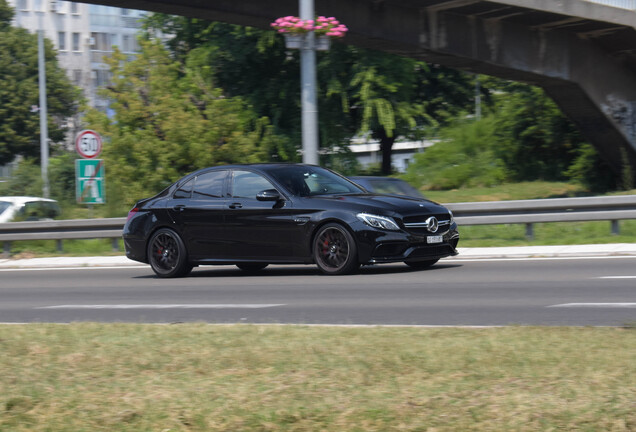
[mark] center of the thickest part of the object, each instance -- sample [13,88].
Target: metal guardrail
[61,230]
[528,212]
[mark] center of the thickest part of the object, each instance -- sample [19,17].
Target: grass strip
[196,377]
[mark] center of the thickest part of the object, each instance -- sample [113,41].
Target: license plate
[434,239]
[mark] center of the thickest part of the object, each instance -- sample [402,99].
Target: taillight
[131,213]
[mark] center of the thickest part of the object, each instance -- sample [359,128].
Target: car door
[197,207]
[258,229]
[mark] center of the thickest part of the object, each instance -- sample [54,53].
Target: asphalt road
[574,291]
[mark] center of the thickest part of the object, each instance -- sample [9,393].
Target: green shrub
[463,158]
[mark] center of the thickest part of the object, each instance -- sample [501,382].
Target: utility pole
[44,130]
[308,88]
[477,98]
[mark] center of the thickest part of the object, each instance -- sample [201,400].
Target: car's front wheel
[335,250]
[167,254]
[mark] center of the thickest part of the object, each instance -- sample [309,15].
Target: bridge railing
[528,212]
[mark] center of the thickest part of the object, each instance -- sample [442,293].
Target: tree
[400,96]
[522,137]
[19,97]
[169,121]
[359,90]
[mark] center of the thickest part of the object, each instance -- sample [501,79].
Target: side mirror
[268,195]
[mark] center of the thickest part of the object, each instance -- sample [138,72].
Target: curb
[570,251]
[608,250]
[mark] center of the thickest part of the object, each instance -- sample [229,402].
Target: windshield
[393,187]
[310,181]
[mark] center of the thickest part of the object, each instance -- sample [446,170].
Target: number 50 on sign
[88,144]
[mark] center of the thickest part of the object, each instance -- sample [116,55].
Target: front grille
[418,224]
[422,218]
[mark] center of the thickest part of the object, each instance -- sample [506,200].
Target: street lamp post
[300,34]
[308,88]
[44,130]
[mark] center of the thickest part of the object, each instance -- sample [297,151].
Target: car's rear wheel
[167,254]
[421,264]
[335,250]
[252,267]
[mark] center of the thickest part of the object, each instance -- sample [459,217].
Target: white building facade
[82,34]
[368,152]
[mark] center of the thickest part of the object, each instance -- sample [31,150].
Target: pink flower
[321,25]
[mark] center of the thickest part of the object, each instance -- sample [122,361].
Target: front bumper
[376,246]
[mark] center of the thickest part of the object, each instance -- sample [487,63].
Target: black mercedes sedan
[255,215]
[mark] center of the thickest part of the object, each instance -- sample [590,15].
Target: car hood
[385,203]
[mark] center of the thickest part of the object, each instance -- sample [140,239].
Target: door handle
[236,205]
[179,208]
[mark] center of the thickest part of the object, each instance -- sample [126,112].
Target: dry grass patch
[94,377]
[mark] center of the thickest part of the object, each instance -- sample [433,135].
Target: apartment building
[83,35]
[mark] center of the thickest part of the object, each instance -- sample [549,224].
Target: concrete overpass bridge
[581,52]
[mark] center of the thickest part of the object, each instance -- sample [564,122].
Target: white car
[25,208]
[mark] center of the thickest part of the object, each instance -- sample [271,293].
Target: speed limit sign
[88,144]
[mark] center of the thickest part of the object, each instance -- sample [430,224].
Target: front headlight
[381,222]
[452,218]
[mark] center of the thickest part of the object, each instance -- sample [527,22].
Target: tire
[167,254]
[252,267]
[420,265]
[334,250]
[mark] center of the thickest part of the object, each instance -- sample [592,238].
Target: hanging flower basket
[294,41]
[297,41]
[321,26]
[323,43]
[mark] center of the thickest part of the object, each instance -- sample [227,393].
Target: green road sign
[89,184]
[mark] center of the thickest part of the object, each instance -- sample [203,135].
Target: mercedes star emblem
[431,224]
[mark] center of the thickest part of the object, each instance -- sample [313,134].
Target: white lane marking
[594,305]
[75,268]
[617,277]
[494,258]
[162,306]
[363,326]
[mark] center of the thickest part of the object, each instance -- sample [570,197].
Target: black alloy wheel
[252,267]
[335,250]
[167,254]
[420,265]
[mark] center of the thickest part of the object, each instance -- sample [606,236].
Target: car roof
[24,199]
[257,165]
[376,178]
[265,167]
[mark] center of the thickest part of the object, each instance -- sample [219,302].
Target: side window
[185,190]
[209,185]
[247,184]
